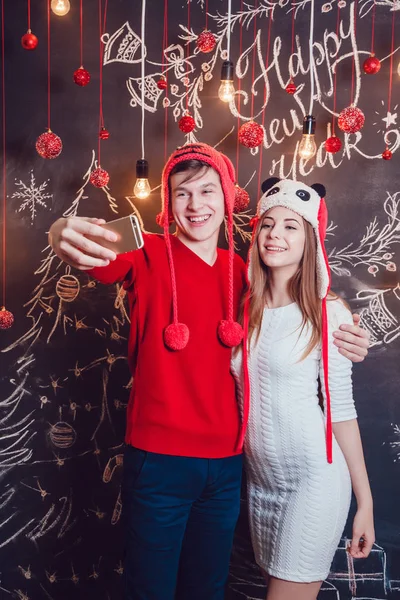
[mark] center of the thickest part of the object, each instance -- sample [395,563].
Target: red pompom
[162,83]
[291,87]
[6,318]
[372,65]
[230,333]
[160,219]
[206,41]
[387,155]
[242,200]
[176,336]
[81,77]
[186,124]
[99,177]
[29,41]
[333,144]
[251,134]
[104,134]
[351,119]
[49,145]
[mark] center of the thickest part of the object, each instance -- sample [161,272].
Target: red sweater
[181,403]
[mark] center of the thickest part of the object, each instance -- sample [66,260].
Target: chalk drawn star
[390,119]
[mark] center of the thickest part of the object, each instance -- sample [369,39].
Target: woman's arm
[352,340]
[348,437]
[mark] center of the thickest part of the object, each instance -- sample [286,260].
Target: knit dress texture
[298,503]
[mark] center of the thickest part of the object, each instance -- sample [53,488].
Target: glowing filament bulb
[60,7]
[308,147]
[142,187]
[226,90]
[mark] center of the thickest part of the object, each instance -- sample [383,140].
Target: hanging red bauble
[242,200]
[291,87]
[29,41]
[387,155]
[186,124]
[372,65]
[99,177]
[251,134]
[333,144]
[49,145]
[6,318]
[162,83]
[104,134]
[351,119]
[206,41]
[81,77]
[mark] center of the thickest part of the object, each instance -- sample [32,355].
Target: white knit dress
[298,503]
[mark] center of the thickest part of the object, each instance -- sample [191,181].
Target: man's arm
[77,241]
[352,341]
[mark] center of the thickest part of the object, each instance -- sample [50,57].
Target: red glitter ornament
[81,77]
[6,318]
[162,83]
[333,144]
[104,134]
[242,200]
[49,145]
[29,41]
[99,177]
[372,65]
[387,155]
[351,119]
[206,41]
[251,134]
[291,87]
[186,124]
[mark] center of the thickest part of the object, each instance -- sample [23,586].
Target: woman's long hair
[303,289]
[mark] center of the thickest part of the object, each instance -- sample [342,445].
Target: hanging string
[354,58]
[254,60]
[4,153]
[48,66]
[206,15]
[101,119]
[188,53]
[239,88]
[335,74]
[81,26]
[265,98]
[373,28]
[105,17]
[165,46]
[391,67]
[293,21]
[228,33]
[311,51]
[29,15]
[143,63]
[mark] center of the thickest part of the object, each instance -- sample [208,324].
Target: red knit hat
[309,203]
[230,333]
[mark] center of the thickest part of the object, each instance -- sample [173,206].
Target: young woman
[302,459]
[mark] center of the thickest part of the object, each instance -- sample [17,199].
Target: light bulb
[308,147]
[142,188]
[226,90]
[60,7]
[398,69]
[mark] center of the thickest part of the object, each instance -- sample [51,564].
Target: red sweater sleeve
[121,269]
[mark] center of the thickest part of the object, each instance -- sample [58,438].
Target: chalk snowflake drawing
[395,444]
[31,195]
[375,249]
[378,317]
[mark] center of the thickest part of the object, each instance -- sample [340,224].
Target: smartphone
[129,234]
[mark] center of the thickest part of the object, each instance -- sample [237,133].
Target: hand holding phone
[129,234]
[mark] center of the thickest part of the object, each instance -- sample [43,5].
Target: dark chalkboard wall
[64,376]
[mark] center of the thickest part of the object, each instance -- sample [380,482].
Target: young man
[182,466]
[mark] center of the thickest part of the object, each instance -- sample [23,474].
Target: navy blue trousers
[179,517]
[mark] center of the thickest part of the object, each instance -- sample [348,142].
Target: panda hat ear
[268,183]
[320,189]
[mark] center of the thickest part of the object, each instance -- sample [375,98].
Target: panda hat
[308,202]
